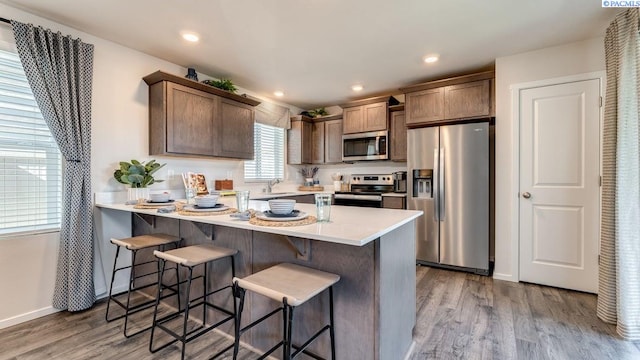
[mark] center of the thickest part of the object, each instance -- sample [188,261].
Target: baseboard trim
[18,319]
[505,277]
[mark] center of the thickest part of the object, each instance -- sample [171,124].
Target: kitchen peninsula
[373,251]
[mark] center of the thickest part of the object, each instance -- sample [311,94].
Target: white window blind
[268,145]
[30,162]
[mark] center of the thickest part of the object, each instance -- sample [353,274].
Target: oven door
[365,146]
[358,200]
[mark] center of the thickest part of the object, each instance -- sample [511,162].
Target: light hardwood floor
[460,316]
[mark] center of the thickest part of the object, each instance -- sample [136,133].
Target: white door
[559,184]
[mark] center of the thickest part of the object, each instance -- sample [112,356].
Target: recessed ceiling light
[430,59]
[191,37]
[278,93]
[357,88]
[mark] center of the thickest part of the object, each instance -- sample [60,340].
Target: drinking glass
[242,200]
[190,193]
[323,207]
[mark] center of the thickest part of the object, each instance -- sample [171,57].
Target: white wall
[570,59]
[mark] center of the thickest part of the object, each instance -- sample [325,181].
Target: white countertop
[349,225]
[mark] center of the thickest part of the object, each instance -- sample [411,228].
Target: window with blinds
[268,145]
[30,162]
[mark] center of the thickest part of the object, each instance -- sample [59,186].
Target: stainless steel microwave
[365,146]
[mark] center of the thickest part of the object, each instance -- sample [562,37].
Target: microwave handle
[377,145]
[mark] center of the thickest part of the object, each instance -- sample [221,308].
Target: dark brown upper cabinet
[314,141]
[398,136]
[187,118]
[450,100]
[367,115]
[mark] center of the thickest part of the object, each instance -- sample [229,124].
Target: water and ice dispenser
[423,183]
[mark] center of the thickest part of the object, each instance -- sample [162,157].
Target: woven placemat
[207,213]
[306,221]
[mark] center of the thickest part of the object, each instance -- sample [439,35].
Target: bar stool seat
[190,257]
[292,285]
[195,254]
[297,284]
[134,244]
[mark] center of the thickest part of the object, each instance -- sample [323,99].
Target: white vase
[138,193]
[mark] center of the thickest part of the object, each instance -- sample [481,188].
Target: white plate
[196,208]
[151,202]
[301,215]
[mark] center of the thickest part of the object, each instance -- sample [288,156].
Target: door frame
[515,157]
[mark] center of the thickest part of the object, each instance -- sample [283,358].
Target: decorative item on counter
[225,184]
[191,74]
[139,175]
[224,84]
[337,181]
[197,181]
[308,174]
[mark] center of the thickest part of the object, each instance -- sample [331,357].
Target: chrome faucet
[271,183]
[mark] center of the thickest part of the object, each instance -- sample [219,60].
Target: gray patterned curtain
[619,281]
[60,73]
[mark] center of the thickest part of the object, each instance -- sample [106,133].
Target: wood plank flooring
[459,316]
[466,316]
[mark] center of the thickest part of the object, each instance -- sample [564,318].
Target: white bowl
[159,197]
[281,206]
[206,200]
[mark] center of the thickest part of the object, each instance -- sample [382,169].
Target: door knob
[526,195]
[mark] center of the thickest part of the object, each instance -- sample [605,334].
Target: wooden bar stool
[190,257]
[293,285]
[135,244]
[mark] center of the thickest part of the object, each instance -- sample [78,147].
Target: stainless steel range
[366,190]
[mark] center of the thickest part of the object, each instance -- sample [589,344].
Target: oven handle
[358,197]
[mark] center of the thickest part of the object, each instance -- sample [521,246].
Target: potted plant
[224,84]
[138,175]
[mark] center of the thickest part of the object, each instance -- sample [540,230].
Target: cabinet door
[317,143]
[424,106]
[353,120]
[333,141]
[299,139]
[235,126]
[467,100]
[398,136]
[191,127]
[392,202]
[375,116]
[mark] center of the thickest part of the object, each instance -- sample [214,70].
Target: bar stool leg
[113,277]
[186,312]
[161,265]
[131,280]
[238,292]
[331,333]
[289,331]
[206,291]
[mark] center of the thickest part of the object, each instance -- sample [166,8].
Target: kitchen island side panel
[396,295]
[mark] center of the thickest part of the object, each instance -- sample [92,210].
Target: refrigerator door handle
[441,189]
[436,184]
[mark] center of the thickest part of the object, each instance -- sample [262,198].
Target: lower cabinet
[394,202]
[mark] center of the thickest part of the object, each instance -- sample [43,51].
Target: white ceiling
[314,50]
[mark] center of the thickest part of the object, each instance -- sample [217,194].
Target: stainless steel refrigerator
[448,173]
